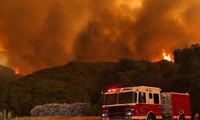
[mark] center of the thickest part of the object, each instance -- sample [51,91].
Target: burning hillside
[166,56]
[35,34]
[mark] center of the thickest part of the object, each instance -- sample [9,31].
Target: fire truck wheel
[181,117]
[151,117]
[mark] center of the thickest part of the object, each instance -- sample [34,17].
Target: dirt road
[57,118]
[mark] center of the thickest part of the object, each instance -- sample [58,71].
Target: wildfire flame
[16,70]
[165,56]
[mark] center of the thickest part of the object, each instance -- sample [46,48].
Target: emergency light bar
[112,90]
[118,89]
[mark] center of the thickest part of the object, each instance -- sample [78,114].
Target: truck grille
[116,112]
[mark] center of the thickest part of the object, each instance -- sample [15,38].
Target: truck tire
[181,117]
[151,117]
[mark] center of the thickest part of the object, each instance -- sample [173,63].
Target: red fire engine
[145,103]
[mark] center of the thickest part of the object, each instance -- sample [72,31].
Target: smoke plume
[35,34]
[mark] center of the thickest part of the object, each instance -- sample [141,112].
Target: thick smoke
[139,32]
[35,34]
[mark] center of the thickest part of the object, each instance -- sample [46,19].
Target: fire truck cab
[144,103]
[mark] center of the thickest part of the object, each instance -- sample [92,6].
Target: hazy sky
[36,34]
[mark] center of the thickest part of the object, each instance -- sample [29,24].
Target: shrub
[55,109]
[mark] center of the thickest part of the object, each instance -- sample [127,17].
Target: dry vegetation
[58,118]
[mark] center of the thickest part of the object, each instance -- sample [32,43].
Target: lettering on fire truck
[145,103]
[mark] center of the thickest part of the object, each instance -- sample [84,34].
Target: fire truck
[145,103]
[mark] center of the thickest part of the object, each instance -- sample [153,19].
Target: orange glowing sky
[36,34]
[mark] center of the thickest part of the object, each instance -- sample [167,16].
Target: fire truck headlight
[104,115]
[129,112]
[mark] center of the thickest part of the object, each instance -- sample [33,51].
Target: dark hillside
[73,82]
[7,75]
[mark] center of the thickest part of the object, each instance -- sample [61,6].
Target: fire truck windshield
[120,98]
[127,97]
[110,99]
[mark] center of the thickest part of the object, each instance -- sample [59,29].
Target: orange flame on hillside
[16,70]
[165,56]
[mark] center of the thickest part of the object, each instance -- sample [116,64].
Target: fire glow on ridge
[165,56]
